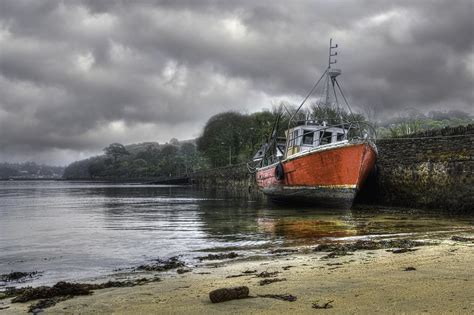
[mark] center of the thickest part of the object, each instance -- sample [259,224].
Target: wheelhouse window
[308,137]
[326,137]
[340,136]
[295,141]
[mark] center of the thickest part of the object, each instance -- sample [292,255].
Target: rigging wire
[344,97]
[301,105]
[307,96]
[345,100]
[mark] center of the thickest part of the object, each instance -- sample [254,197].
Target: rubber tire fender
[279,172]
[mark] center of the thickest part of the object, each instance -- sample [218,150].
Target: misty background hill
[29,170]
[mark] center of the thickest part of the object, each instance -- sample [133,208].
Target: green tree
[168,159]
[223,138]
[96,168]
[232,137]
[116,150]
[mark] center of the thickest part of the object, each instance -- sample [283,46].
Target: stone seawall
[235,180]
[431,170]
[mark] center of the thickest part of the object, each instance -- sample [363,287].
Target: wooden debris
[269,281]
[323,306]
[462,239]
[227,294]
[266,274]
[249,271]
[235,276]
[402,250]
[283,297]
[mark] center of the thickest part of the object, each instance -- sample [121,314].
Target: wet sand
[369,281]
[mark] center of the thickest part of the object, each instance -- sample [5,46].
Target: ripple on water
[79,230]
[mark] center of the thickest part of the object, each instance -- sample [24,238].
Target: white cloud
[84,61]
[234,27]
[76,76]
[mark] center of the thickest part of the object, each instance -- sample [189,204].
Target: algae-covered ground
[364,277]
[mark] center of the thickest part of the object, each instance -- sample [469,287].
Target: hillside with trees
[413,121]
[227,138]
[232,138]
[29,170]
[139,161]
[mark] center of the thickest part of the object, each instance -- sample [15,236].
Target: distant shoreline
[150,181]
[29,179]
[73,180]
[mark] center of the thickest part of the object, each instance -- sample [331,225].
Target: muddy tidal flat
[363,277]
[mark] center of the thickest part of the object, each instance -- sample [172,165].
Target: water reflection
[73,230]
[306,230]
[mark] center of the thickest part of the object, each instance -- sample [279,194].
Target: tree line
[227,138]
[232,138]
[29,170]
[414,121]
[145,160]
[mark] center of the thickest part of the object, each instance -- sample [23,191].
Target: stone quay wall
[432,170]
[235,180]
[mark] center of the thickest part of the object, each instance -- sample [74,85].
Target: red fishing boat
[323,160]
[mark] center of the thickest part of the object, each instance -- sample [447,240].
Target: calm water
[80,230]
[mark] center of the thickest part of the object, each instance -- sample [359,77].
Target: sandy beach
[434,279]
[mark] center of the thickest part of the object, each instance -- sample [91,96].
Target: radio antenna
[331,54]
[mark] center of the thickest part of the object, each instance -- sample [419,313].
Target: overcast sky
[78,75]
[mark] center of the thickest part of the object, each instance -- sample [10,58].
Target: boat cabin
[311,135]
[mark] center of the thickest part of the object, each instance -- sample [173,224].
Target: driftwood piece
[227,294]
[462,239]
[268,281]
[403,250]
[266,274]
[323,306]
[283,297]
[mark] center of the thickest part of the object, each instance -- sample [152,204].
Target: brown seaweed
[218,256]
[269,281]
[162,265]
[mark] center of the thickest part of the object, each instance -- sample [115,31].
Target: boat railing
[354,130]
[367,131]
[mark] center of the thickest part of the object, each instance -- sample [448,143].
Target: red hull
[323,175]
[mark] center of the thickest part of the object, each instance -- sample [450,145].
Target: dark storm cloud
[77,75]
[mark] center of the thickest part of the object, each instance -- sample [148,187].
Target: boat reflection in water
[306,230]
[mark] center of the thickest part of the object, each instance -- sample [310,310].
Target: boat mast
[331,47]
[329,79]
